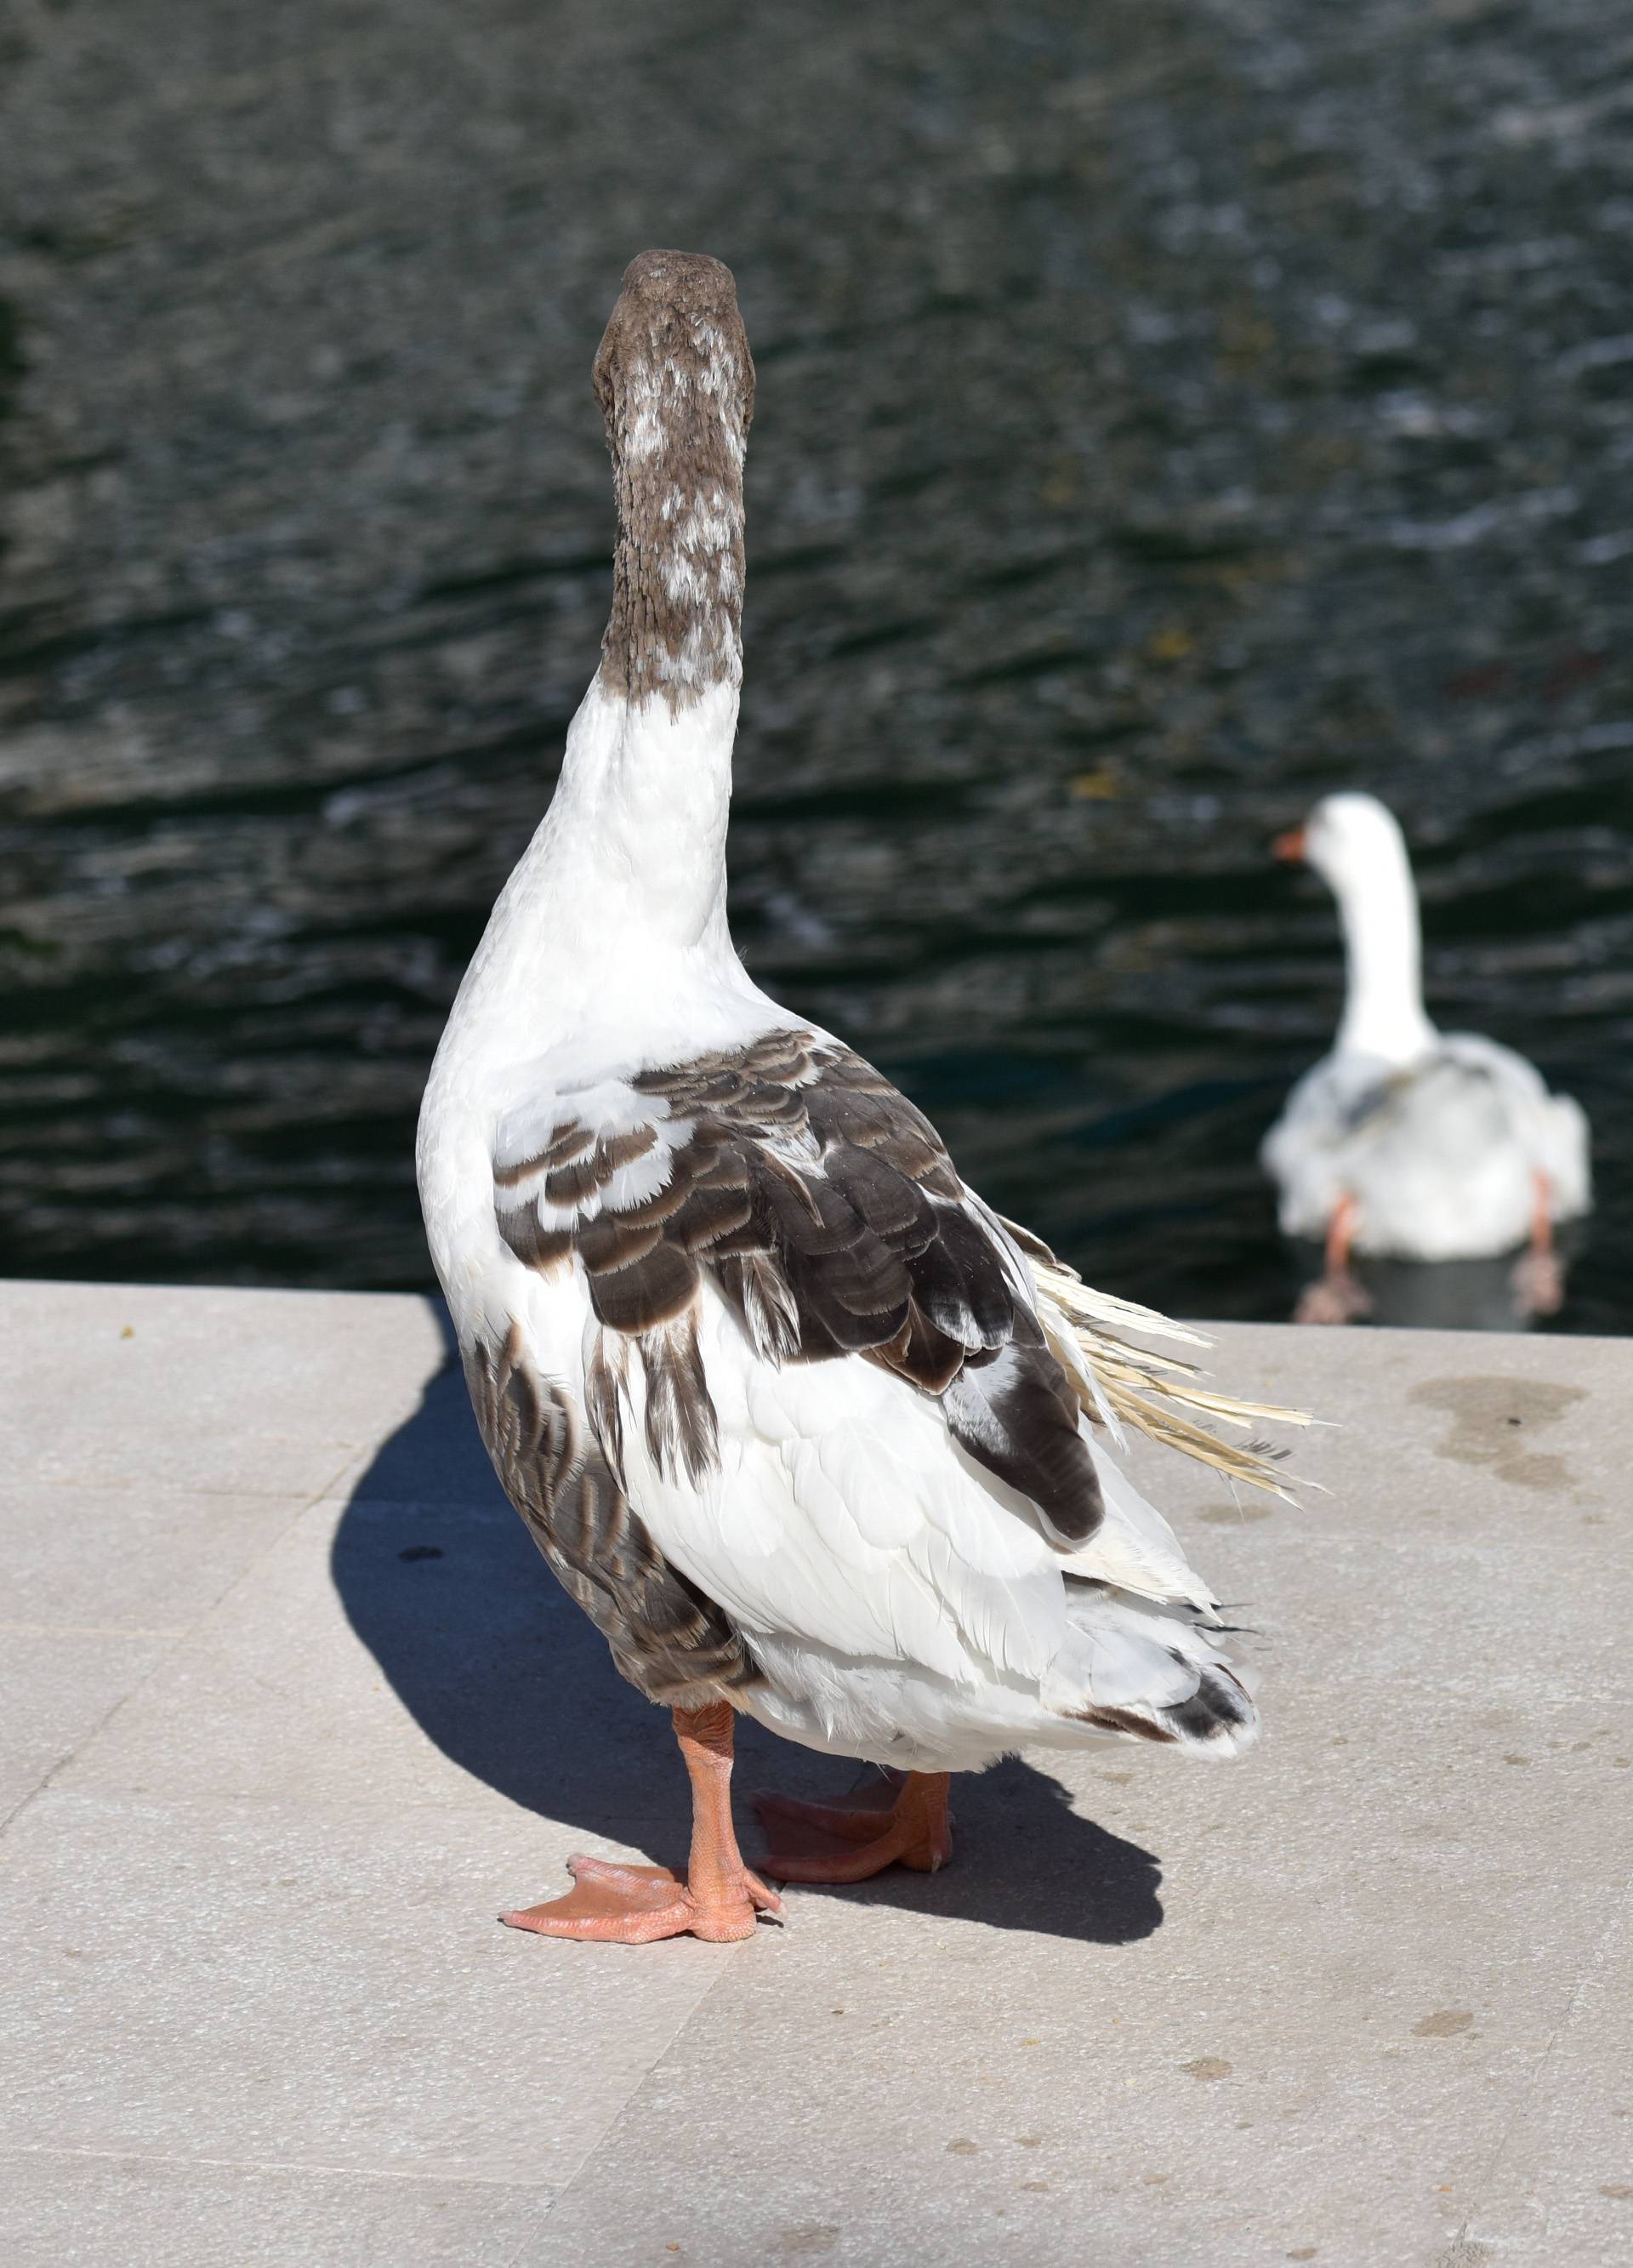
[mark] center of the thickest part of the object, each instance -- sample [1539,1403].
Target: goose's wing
[1551,1130]
[1308,1152]
[1353,1117]
[820,1205]
[822,1399]
[667,1636]
[1465,1087]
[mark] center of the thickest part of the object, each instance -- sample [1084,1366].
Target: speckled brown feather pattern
[823,1207]
[666,1639]
[676,384]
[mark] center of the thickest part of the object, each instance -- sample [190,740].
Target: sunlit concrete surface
[291,1710]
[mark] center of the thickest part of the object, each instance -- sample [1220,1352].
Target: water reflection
[1448,1295]
[1164,417]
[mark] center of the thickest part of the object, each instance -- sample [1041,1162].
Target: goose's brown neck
[675,382]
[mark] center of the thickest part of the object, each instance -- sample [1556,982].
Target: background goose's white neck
[1383,1010]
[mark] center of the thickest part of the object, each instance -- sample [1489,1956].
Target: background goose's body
[1405,1142]
[778,1397]
[1440,1155]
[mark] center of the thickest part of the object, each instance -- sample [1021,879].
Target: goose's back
[1441,1156]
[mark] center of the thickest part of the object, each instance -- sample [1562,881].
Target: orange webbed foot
[886,1826]
[615,1905]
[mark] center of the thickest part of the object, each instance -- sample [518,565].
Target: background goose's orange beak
[1289,846]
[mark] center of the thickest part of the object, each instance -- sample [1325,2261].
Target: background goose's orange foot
[611,1904]
[847,1842]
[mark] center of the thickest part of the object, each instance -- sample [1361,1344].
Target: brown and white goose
[806,1428]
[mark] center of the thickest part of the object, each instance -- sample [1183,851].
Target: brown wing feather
[669,1640]
[824,1209]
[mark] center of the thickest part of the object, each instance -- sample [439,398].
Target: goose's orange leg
[1336,1296]
[719,1900]
[915,1830]
[1539,1280]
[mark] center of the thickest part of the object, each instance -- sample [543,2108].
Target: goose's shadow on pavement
[499,1668]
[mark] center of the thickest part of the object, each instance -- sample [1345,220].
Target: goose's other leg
[1539,1280]
[861,1837]
[719,1899]
[1336,1296]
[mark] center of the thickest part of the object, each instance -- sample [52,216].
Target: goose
[807,1431]
[1405,1142]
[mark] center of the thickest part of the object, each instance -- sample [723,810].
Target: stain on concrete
[1494,1421]
[1616,2189]
[1207,2067]
[962,2149]
[802,2243]
[1235,1515]
[1444,2024]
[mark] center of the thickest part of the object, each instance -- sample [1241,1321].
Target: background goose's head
[1350,840]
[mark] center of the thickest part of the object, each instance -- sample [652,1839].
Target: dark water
[1165,415]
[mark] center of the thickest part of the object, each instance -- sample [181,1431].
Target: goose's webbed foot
[846,1841]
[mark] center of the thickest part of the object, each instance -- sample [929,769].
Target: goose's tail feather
[1140,1668]
[1159,1394]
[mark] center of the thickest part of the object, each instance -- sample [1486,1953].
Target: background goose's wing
[1553,1128]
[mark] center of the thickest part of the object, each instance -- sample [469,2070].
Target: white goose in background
[805,1428]
[1405,1142]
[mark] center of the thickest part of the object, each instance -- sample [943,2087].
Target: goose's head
[676,386]
[1350,840]
[673,375]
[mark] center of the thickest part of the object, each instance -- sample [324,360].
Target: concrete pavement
[292,1710]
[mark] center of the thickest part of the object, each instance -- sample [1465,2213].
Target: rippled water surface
[1165,415]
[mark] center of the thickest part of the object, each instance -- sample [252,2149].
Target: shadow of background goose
[498,1667]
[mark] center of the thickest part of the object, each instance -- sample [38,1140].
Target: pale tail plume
[1161,1395]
